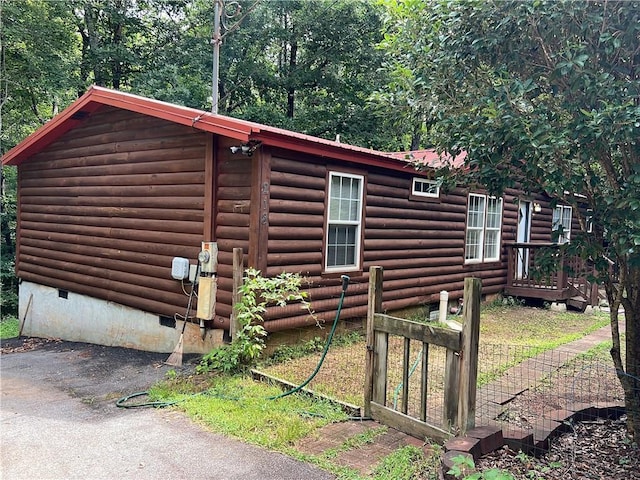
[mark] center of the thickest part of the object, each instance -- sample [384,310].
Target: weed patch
[240,407]
[9,327]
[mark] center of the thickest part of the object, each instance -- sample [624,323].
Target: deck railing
[561,278]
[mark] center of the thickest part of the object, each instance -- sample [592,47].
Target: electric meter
[208,257]
[203,257]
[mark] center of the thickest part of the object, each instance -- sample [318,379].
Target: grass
[508,335]
[408,463]
[535,327]
[239,406]
[9,327]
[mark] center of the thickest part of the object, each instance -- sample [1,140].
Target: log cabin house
[115,187]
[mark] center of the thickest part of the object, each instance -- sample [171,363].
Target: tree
[38,53]
[38,65]
[546,94]
[307,66]
[120,38]
[291,64]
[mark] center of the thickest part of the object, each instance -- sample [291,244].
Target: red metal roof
[240,130]
[431,158]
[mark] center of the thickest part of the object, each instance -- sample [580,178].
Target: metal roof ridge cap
[324,143]
[177,113]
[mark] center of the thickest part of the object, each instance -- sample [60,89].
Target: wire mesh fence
[518,386]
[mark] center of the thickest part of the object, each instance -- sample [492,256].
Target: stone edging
[483,440]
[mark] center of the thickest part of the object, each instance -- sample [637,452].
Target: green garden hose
[345,284]
[121,403]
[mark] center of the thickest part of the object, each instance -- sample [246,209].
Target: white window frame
[332,222]
[479,224]
[562,215]
[432,187]
[491,227]
[589,220]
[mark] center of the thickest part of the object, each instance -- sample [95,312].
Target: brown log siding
[106,207]
[419,243]
[233,214]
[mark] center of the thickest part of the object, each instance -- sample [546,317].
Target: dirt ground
[597,449]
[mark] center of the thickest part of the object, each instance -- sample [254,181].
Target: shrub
[257,293]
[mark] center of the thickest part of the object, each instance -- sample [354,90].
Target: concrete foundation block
[558,307]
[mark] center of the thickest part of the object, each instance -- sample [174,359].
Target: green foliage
[291,64]
[291,352]
[463,467]
[239,406]
[409,463]
[39,55]
[286,353]
[257,293]
[542,96]
[9,327]
[8,280]
[561,115]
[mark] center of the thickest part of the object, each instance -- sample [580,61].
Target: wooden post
[405,375]
[469,355]
[512,265]
[451,389]
[238,270]
[423,381]
[374,306]
[562,272]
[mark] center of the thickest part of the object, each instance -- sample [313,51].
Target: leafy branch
[257,294]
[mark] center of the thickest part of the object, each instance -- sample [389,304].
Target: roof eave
[96,97]
[240,130]
[333,150]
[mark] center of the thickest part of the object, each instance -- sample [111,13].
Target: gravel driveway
[59,420]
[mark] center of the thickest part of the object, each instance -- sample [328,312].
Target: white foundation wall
[79,318]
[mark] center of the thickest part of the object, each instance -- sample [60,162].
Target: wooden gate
[460,374]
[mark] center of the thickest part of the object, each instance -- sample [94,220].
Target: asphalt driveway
[59,421]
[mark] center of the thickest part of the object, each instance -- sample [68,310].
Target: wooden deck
[566,279]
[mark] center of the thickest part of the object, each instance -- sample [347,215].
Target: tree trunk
[291,91]
[91,20]
[631,384]
[627,294]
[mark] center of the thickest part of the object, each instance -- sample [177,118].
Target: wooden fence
[460,369]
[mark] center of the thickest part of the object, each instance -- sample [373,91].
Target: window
[423,187]
[589,220]
[484,222]
[344,221]
[561,224]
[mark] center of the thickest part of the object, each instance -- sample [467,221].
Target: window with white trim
[589,220]
[344,222]
[561,224]
[484,224]
[425,187]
